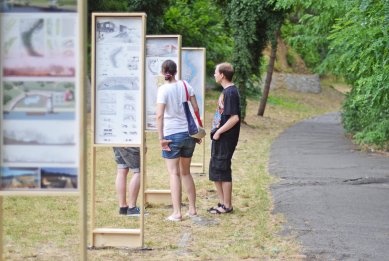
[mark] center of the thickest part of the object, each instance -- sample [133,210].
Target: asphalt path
[335,198]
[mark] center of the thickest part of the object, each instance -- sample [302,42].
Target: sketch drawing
[117,30]
[113,55]
[34,27]
[35,39]
[119,83]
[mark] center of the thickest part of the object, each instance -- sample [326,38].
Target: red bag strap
[186,91]
[196,112]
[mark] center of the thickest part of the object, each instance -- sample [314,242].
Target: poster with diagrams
[159,48]
[193,71]
[40,110]
[118,79]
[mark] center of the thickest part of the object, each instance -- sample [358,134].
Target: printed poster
[118,73]
[158,50]
[193,71]
[40,129]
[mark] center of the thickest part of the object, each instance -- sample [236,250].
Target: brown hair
[169,69]
[226,69]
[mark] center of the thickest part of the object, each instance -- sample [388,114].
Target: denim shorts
[127,158]
[182,145]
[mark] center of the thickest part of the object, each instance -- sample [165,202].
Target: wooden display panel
[41,90]
[118,51]
[42,117]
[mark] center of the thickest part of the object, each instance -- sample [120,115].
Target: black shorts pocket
[220,164]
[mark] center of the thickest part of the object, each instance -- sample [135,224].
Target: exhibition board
[42,117]
[159,48]
[117,80]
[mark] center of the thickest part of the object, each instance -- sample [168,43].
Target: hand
[165,144]
[198,141]
[216,136]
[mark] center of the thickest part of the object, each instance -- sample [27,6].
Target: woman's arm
[160,114]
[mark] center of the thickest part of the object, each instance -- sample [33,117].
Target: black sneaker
[133,212]
[123,211]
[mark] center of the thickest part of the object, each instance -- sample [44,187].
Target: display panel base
[161,196]
[111,237]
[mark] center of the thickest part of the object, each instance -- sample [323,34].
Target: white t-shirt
[173,95]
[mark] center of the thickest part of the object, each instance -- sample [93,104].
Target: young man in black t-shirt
[224,135]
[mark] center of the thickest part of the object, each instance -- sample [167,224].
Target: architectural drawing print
[119,67]
[133,63]
[113,56]
[161,47]
[38,96]
[119,83]
[34,39]
[118,30]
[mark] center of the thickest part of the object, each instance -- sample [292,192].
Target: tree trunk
[269,74]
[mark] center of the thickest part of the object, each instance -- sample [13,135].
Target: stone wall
[295,82]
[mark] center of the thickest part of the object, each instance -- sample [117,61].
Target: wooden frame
[152,83]
[163,195]
[77,15]
[102,237]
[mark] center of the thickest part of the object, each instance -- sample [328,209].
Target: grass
[38,228]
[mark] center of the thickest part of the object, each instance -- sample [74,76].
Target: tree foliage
[253,23]
[349,39]
[308,25]
[153,8]
[201,24]
[359,51]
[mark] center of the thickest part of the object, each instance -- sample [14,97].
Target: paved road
[335,199]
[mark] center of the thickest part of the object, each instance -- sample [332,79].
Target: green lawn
[46,228]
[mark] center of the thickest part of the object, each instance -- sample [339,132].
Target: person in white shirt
[177,146]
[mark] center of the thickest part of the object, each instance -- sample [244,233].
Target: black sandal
[226,210]
[214,210]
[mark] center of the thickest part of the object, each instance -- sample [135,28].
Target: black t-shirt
[228,104]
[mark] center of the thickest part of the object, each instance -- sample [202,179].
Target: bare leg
[187,179]
[121,186]
[133,189]
[219,191]
[175,185]
[227,193]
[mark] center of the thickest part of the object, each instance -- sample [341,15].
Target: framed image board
[193,63]
[42,79]
[118,76]
[193,71]
[41,89]
[118,61]
[159,48]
